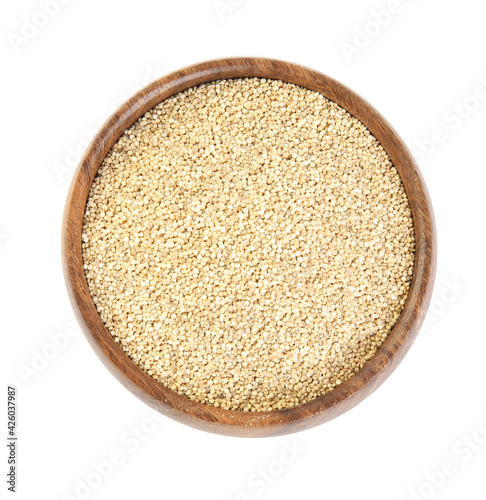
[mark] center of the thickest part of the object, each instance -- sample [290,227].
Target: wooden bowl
[238,423]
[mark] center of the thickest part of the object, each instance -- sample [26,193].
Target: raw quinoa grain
[248,244]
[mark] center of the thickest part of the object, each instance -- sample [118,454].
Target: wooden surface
[205,417]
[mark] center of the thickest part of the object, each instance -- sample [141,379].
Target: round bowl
[239,423]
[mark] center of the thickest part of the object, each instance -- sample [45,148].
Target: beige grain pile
[248,244]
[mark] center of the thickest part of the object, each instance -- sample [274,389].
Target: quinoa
[248,244]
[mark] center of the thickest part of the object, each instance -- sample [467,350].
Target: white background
[60,81]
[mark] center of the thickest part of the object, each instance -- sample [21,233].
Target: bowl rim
[231,422]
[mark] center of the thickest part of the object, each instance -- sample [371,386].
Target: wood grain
[237,423]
